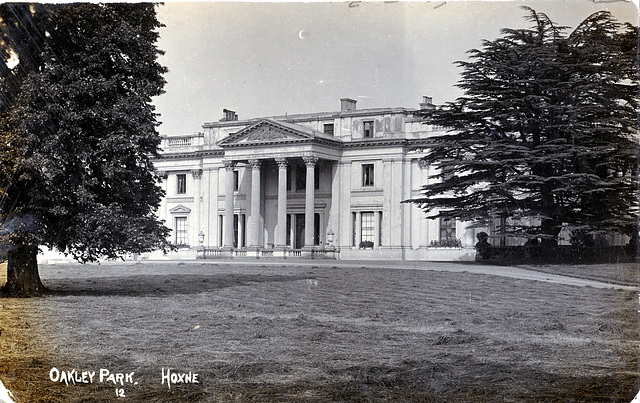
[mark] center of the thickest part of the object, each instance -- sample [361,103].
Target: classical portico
[269,144]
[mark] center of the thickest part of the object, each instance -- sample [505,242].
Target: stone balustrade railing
[182,141]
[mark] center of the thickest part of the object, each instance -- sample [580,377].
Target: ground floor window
[221,231]
[181,231]
[366,229]
[379,228]
[239,231]
[367,226]
[447,229]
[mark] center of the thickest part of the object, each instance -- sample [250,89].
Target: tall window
[239,231]
[236,180]
[301,177]
[379,228]
[368,129]
[221,231]
[235,231]
[328,129]
[367,228]
[316,229]
[447,229]
[243,224]
[181,231]
[367,174]
[181,185]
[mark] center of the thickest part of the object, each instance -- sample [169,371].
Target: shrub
[446,243]
[366,244]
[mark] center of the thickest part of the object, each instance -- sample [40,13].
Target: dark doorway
[299,232]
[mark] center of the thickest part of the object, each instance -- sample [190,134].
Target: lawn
[317,333]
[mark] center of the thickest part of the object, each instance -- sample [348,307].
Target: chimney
[427,103]
[228,115]
[347,105]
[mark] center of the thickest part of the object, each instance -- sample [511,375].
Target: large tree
[547,128]
[78,131]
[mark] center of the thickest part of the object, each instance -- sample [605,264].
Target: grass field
[320,333]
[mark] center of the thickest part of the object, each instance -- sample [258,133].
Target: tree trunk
[23,279]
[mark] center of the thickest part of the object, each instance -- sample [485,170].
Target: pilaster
[197,191]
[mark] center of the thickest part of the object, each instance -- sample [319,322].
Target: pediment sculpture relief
[266,133]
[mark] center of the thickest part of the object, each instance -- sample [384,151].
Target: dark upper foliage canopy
[547,128]
[78,129]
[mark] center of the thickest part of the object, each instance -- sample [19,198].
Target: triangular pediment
[180,210]
[268,131]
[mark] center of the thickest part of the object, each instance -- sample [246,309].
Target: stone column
[281,227]
[228,204]
[310,162]
[254,214]
[197,178]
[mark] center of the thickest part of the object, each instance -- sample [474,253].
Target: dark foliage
[547,129]
[78,129]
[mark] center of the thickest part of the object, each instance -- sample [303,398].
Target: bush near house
[541,254]
[446,243]
[179,246]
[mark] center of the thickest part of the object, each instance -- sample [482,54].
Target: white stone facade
[299,185]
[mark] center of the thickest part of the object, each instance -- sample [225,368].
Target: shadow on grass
[160,285]
[459,379]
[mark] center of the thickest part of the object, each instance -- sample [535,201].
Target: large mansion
[318,184]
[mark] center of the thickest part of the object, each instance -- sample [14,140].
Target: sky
[264,59]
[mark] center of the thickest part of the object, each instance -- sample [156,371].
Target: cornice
[375,142]
[421,141]
[189,154]
[267,144]
[337,144]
